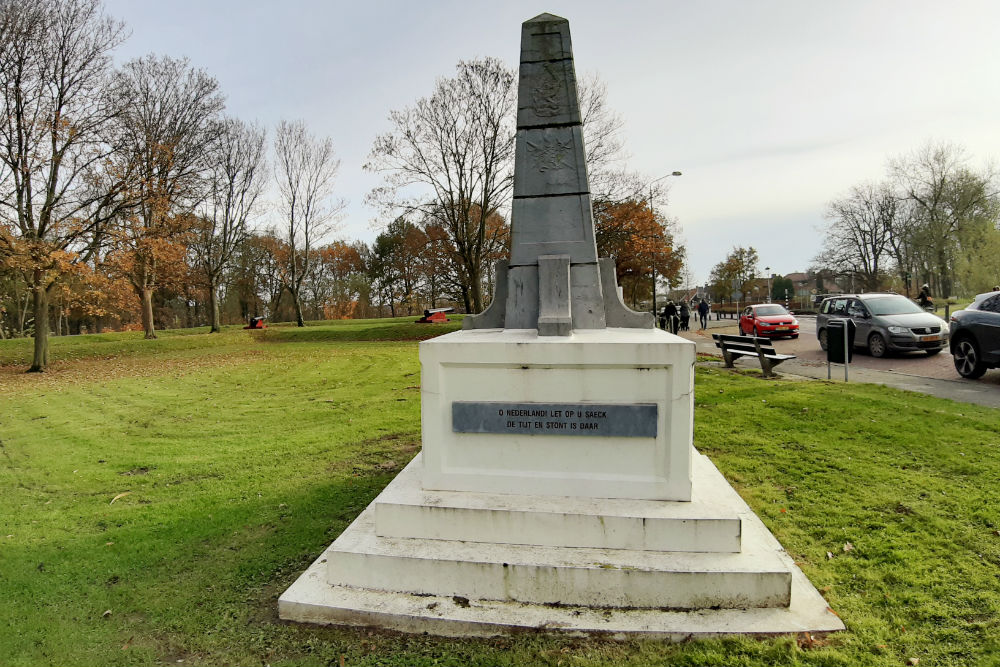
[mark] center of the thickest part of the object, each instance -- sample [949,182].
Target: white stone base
[456,588]
[599,366]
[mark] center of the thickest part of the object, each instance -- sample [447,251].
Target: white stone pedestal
[516,367]
[504,523]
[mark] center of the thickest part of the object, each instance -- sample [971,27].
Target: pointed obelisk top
[545,38]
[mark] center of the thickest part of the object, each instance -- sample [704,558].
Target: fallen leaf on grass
[106,613]
[913,661]
[829,556]
[848,547]
[127,643]
[120,495]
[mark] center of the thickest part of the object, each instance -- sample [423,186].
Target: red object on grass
[435,316]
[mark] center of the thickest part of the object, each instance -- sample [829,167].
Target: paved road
[913,371]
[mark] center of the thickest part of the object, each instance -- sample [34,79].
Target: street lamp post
[767,269]
[652,213]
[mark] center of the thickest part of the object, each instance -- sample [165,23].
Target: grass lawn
[157,496]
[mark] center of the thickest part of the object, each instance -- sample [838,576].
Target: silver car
[885,323]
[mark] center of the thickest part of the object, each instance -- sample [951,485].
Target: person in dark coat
[925,297]
[703,313]
[685,316]
[671,312]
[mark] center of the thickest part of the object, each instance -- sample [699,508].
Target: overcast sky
[769,108]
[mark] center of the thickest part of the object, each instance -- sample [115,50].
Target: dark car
[975,336]
[885,323]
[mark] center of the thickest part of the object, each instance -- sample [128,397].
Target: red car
[768,319]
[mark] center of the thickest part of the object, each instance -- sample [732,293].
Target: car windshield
[771,310]
[892,305]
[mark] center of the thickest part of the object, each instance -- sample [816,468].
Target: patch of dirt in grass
[385,453]
[86,371]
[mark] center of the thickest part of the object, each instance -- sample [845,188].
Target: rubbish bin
[839,343]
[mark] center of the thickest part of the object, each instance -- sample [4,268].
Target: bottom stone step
[557,575]
[312,599]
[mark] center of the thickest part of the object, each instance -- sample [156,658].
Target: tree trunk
[476,288]
[213,303]
[298,309]
[147,312]
[41,306]
[465,300]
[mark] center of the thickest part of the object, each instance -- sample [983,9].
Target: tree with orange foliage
[54,61]
[639,240]
[170,118]
[338,280]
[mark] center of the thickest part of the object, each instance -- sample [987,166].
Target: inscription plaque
[629,420]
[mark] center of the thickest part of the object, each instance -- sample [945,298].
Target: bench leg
[765,367]
[728,357]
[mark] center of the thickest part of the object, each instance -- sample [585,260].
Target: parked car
[768,319]
[975,336]
[885,323]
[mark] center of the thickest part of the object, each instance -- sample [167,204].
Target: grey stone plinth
[550,161]
[554,317]
[568,229]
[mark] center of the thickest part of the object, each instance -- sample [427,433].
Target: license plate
[928,339]
[782,328]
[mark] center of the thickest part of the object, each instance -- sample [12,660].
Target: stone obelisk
[554,282]
[557,488]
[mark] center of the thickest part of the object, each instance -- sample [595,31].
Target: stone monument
[557,487]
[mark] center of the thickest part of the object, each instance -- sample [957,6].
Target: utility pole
[653,214]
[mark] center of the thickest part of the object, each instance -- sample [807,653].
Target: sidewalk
[966,391]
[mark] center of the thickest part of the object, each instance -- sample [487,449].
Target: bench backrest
[744,343]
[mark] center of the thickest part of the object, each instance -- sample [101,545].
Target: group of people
[677,316]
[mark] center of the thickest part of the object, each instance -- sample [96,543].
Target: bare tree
[236,175]
[169,123]
[858,240]
[305,170]
[947,198]
[458,146]
[55,56]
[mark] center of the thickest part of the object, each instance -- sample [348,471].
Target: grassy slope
[243,459]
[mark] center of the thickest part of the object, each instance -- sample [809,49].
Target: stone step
[553,575]
[757,577]
[708,523]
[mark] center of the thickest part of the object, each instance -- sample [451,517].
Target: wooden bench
[750,346]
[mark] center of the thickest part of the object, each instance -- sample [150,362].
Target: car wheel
[877,346]
[822,339]
[755,332]
[794,336]
[931,353]
[968,361]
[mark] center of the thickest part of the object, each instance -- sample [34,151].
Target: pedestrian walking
[703,313]
[685,316]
